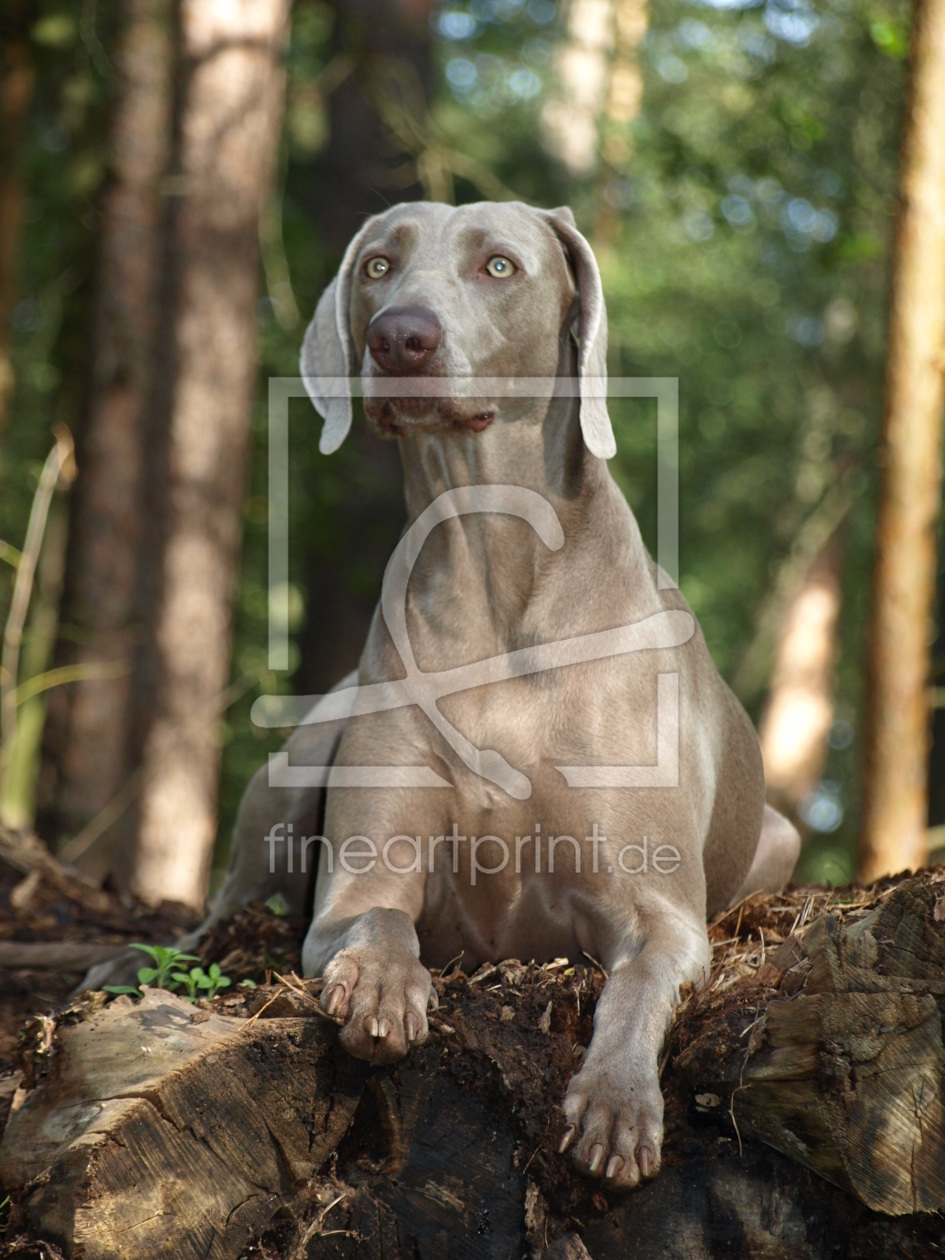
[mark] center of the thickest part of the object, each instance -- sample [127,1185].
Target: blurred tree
[375,113]
[381,72]
[936,776]
[621,106]
[798,712]
[228,111]
[894,832]
[584,66]
[16,89]
[89,724]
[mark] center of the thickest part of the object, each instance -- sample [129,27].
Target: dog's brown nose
[403,339]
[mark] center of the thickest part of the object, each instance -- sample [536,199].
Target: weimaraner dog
[619,796]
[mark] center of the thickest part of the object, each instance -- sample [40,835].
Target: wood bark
[937,751]
[803,1090]
[841,1066]
[229,110]
[87,743]
[895,815]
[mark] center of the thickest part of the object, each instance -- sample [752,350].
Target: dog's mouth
[478,422]
[397,417]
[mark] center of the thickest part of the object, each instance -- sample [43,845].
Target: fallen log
[803,1110]
[155,1128]
[63,956]
[844,1065]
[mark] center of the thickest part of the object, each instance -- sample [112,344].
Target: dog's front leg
[363,940]
[613,1106]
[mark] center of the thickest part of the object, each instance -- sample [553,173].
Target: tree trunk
[571,114]
[88,732]
[621,106]
[228,118]
[364,164]
[16,91]
[895,817]
[799,712]
[937,751]
[366,169]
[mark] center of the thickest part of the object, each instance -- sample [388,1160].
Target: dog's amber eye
[374,268]
[500,267]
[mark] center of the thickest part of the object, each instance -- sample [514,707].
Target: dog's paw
[381,1000]
[614,1124]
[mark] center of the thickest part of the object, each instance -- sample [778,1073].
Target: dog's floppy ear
[328,352]
[592,331]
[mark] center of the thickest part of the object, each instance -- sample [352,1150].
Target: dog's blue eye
[500,267]
[374,268]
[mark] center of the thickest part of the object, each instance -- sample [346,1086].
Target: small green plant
[207,982]
[167,973]
[165,957]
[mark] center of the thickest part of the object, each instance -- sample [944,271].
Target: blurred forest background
[175,195]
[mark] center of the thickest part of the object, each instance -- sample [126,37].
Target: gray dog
[586,784]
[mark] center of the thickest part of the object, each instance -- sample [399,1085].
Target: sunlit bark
[571,113]
[894,825]
[799,713]
[598,89]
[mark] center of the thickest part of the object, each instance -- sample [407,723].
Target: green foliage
[167,973]
[277,905]
[198,982]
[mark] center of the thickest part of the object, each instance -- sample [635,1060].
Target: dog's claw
[566,1139]
[411,1026]
[383,1027]
[335,999]
[646,1161]
[371,1026]
[614,1165]
[597,1154]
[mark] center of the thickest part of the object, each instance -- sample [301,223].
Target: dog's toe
[341,976]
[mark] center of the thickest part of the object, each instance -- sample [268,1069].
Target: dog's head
[428,293]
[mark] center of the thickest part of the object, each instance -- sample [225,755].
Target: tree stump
[812,1060]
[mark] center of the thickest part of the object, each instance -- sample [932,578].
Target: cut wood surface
[160,1129]
[803,1108]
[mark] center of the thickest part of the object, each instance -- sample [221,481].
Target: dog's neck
[541,450]
[496,558]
